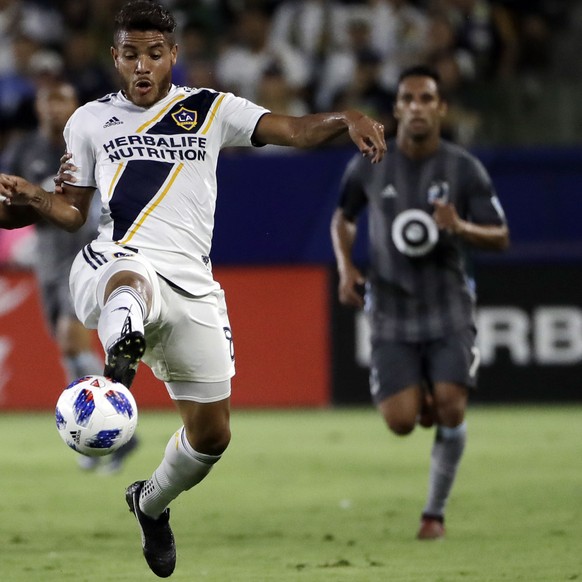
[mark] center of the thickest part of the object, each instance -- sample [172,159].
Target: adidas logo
[388,192]
[113,121]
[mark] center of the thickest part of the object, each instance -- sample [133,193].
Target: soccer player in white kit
[146,283]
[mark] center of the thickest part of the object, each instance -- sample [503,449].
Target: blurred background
[513,78]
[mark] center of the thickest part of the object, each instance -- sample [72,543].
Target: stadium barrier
[529,321]
[279,319]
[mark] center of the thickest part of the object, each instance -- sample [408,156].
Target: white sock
[123,312]
[181,468]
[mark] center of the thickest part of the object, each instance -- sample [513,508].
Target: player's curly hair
[145,15]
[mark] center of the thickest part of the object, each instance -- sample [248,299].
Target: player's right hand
[368,135]
[65,173]
[16,191]
[351,286]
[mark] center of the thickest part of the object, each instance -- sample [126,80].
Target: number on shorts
[228,336]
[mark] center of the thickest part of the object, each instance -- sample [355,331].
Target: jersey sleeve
[239,118]
[484,206]
[353,196]
[79,143]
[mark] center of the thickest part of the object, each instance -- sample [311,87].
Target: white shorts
[92,268]
[189,339]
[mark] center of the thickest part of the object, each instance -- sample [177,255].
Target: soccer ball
[96,416]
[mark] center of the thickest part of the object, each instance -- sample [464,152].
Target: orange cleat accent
[431,528]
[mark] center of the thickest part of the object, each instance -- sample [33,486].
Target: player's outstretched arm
[22,200]
[318,128]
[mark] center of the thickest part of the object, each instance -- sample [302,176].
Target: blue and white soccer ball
[96,416]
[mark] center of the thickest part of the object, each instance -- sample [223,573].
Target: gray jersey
[420,298]
[37,160]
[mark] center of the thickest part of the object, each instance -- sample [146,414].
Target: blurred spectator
[366,93]
[275,94]
[100,26]
[485,38]
[536,23]
[90,78]
[208,15]
[241,65]
[313,27]
[490,54]
[398,33]
[16,87]
[197,56]
[440,53]
[77,14]
[338,68]
[26,19]
[196,42]
[36,68]
[201,72]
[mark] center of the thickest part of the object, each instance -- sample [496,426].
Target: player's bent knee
[451,417]
[212,443]
[205,410]
[450,405]
[399,420]
[400,427]
[129,279]
[209,440]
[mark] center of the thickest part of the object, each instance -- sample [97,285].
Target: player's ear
[395,112]
[443,108]
[114,54]
[174,53]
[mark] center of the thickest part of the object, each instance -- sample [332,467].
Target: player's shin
[181,468]
[446,456]
[123,313]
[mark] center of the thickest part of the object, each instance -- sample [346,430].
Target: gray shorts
[396,365]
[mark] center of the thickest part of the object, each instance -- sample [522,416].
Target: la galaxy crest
[185,118]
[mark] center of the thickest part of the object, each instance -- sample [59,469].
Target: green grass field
[305,496]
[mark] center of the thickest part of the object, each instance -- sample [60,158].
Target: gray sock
[446,455]
[83,364]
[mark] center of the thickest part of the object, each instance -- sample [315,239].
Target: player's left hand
[446,217]
[368,135]
[65,173]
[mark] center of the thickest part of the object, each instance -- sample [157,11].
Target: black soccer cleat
[123,358]
[157,539]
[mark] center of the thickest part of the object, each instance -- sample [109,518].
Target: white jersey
[156,171]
